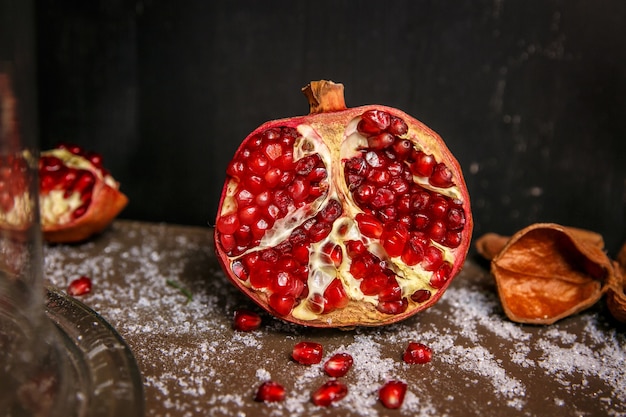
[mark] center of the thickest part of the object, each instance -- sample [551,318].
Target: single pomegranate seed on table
[353,203]
[79,286]
[307,353]
[246,320]
[330,392]
[338,365]
[392,393]
[417,353]
[270,391]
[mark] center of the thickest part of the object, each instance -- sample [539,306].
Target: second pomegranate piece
[343,217]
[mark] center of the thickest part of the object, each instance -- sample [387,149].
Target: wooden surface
[194,364]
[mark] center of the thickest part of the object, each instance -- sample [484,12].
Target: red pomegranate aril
[343,209]
[270,391]
[380,141]
[272,177]
[374,283]
[249,214]
[319,231]
[394,238]
[305,165]
[369,225]
[382,198]
[420,296]
[364,193]
[423,164]
[258,163]
[80,211]
[334,253]
[393,307]
[441,176]
[338,365]
[246,320]
[240,270]
[455,219]
[307,353]
[361,266]
[453,239]
[397,126]
[273,150]
[335,296]
[330,392]
[373,122]
[317,174]
[79,286]
[281,304]
[433,258]
[244,198]
[441,276]
[331,211]
[259,228]
[417,353]
[392,393]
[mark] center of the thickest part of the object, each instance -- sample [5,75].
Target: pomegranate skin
[333,130]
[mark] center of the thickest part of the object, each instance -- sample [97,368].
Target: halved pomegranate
[343,217]
[78,196]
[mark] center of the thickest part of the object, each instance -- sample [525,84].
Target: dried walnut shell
[546,272]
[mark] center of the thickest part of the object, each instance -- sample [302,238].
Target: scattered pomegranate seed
[338,365]
[417,353]
[391,395]
[79,286]
[328,393]
[270,391]
[307,353]
[246,320]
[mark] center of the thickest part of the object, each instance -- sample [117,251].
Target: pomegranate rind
[326,125]
[107,202]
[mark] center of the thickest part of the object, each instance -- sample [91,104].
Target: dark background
[529,95]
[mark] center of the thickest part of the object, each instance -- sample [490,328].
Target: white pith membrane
[322,271]
[57,208]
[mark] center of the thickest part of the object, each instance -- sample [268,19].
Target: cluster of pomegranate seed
[273,183]
[79,286]
[338,217]
[391,394]
[66,184]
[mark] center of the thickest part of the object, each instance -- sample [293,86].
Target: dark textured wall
[529,95]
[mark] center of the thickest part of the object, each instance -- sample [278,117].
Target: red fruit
[270,391]
[417,353]
[338,365]
[246,320]
[307,353]
[332,391]
[78,197]
[391,395]
[79,286]
[368,205]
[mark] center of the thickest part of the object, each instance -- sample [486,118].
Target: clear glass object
[57,356]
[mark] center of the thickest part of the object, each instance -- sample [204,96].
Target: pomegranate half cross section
[344,217]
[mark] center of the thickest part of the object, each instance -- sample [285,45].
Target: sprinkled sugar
[194,364]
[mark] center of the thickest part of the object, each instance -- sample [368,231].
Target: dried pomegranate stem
[324,96]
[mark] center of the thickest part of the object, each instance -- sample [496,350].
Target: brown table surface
[194,364]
